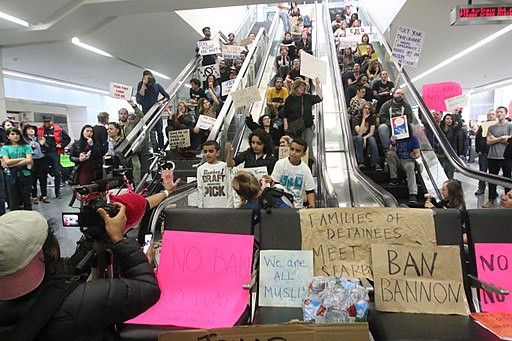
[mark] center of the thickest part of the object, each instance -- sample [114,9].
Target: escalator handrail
[438,134]
[388,200]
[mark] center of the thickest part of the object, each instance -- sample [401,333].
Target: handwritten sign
[341,238]
[205,122]
[226,86]
[435,94]
[357,31]
[121,91]
[419,279]
[284,276]
[494,265]
[344,42]
[179,138]
[456,102]
[399,127]
[312,67]
[207,47]
[485,127]
[407,47]
[231,51]
[246,41]
[498,323]
[205,71]
[258,172]
[201,277]
[245,97]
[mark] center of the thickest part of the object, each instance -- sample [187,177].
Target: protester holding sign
[207,59]
[183,119]
[397,106]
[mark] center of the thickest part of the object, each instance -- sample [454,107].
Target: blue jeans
[286,21]
[371,144]
[384,132]
[483,166]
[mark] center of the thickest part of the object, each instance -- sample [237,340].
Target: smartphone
[70,219]
[148,237]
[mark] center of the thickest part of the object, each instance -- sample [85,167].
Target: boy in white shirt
[295,175]
[213,179]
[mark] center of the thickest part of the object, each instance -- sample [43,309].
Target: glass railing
[352,186]
[433,173]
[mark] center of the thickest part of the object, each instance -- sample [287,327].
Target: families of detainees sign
[341,238]
[419,279]
[200,277]
[494,265]
[407,47]
[434,95]
[284,277]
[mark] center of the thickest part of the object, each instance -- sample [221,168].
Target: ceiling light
[77,42]
[13,19]
[54,82]
[161,75]
[464,52]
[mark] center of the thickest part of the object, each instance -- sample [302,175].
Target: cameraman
[29,253]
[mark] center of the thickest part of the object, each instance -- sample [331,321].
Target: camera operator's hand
[115,226]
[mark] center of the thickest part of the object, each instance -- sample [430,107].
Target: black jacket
[96,156]
[92,308]
[481,145]
[275,134]
[296,107]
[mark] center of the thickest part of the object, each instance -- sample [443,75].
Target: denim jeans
[371,144]
[384,132]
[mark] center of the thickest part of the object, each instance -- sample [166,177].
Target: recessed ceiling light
[77,42]
[13,19]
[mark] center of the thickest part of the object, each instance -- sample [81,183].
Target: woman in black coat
[265,123]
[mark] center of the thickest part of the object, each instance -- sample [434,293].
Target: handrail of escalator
[325,186]
[438,134]
[386,198]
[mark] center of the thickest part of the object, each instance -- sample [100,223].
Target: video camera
[91,198]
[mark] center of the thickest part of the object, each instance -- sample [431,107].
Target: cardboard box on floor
[285,332]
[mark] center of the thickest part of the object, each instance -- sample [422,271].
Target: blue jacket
[151,96]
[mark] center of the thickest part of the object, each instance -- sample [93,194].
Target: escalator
[430,173]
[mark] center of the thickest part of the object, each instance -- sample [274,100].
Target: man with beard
[276,95]
[126,127]
[392,108]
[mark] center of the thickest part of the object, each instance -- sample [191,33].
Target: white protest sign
[407,47]
[456,102]
[205,122]
[312,67]
[207,47]
[357,31]
[205,71]
[258,172]
[284,277]
[399,127]
[244,97]
[121,91]
[226,86]
[343,42]
[179,138]
[231,51]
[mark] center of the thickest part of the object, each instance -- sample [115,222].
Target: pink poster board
[201,277]
[435,94]
[494,265]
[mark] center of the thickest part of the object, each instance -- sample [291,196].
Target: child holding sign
[213,179]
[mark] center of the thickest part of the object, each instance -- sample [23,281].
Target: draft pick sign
[435,94]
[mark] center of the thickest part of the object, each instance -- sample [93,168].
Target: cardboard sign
[435,94]
[494,265]
[276,332]
[341,238]
[226,86]
[201,276]
[246,41]
[456,102]
[245,97]
[399,127]
[312,67]
[498,323]
[207,47]
[179,138]
[419,279]
[284,277]
[205,122]
[231,51]
[285,152]
[205,71]
[121,91]
[407,47]
[485,127]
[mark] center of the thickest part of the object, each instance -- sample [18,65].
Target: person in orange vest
[56,140]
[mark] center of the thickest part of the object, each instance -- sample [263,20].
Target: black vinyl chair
[387,326]
[213,220]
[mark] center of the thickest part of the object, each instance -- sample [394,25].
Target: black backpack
[273,197]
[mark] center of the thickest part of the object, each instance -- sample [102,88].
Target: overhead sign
[481,14]
[407,47]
